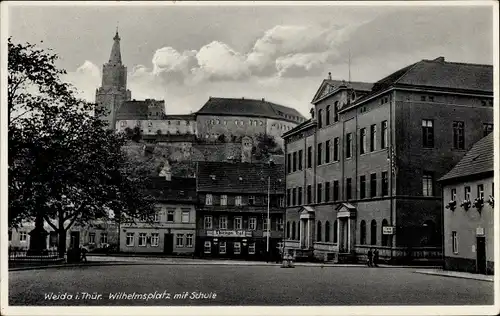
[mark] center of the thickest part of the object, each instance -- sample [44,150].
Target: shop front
[236,244]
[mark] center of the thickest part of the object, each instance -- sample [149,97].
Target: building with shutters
[468,211]
[362,172]
[232,212]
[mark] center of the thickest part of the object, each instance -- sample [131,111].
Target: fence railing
[24,255]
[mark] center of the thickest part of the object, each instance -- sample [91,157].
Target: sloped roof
[176,190]
[133,110]
[240,177]
[249,107]
[439,73]
[478,160]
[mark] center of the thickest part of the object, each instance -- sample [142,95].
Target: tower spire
[116,56]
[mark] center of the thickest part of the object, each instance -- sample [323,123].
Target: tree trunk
[61,245]
[61,233]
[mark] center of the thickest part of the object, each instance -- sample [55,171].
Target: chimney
[440,59]
[263,100]
[329,75]
[243,98]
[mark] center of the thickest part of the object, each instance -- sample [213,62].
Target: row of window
[238,223]
[238,200]
[467,194]
[103,239]
[282,127]
[236,122]
[291,117]
[324,190]
[187,123]
[328,115]
[332,151]
[181,240]
[207,247]
[458,133]
[293,232]
[170,216]
[23,237]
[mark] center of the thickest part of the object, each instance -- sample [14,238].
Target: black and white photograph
[274,158]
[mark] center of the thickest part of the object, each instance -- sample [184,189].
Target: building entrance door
[481,254]
[75,240]
[168,245]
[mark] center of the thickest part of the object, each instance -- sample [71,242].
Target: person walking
[375,258]
[83,253]
[370,254]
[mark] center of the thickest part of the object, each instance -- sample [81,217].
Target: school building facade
[362,172]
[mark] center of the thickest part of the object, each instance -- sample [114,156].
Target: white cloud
[85,79]
[219,61]
[167,59]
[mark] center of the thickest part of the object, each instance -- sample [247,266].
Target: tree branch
[71,223]
[50,223]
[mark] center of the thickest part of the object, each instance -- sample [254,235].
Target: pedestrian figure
[375,258]
[369,262]
[83,253]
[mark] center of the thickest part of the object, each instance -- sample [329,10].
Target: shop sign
[388,230]
[229,233]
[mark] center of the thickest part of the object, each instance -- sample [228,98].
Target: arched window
[298,230]
[288,229]
[336,111]
[385,238]
[362,229]
[320,118]
[293,230]
[327,231]
[335,228]
[327,117]
[318,238]
[373,232]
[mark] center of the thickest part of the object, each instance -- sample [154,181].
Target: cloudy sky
[186,53]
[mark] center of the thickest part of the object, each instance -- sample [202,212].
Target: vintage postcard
[274,158]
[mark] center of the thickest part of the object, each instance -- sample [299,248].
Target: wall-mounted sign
[480,231]
[229,233]
[388,230]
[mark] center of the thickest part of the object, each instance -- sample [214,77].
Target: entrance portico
[346,216]
[306,227]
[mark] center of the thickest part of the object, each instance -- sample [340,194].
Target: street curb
[213,263]
[457,276]
[74,265]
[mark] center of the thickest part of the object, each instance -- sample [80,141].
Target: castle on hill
[218,120]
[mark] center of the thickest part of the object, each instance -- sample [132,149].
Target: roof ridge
[457,63]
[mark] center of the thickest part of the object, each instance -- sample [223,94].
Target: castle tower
[113,91]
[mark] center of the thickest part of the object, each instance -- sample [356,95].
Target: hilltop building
[220,119]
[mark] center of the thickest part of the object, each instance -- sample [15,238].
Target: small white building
[468,211]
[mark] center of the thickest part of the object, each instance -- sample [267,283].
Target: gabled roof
[478,160]
[249,107]
[329,86]
[240,177]
[176,190]
[439,73]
